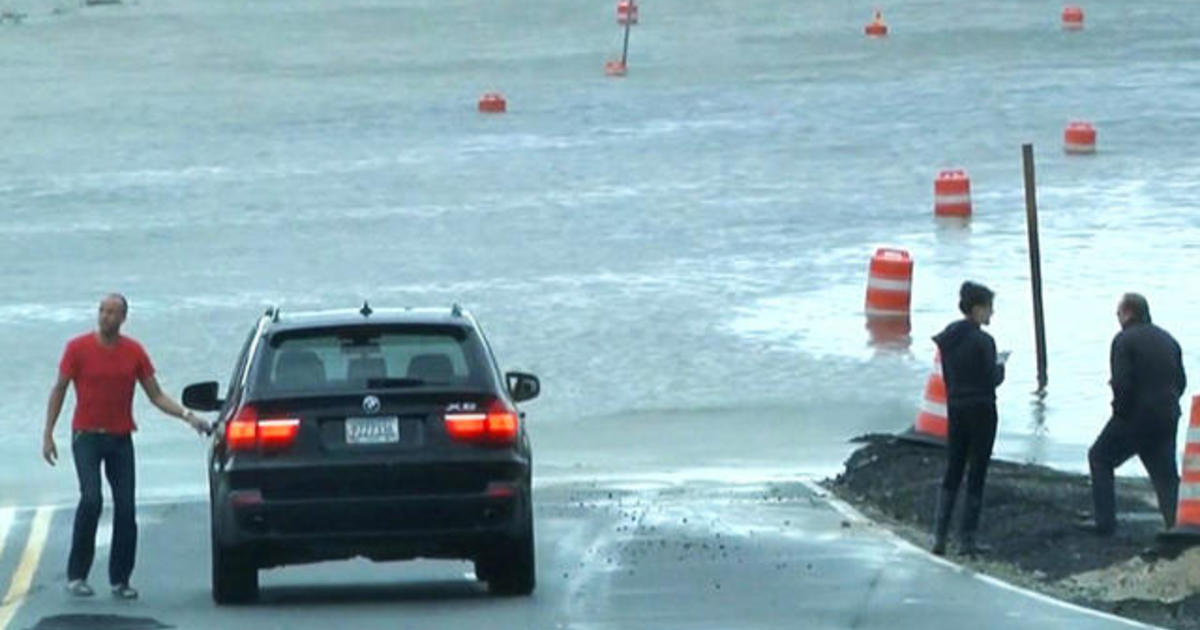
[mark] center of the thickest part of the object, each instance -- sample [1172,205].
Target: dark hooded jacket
[968,364]
[1147,376]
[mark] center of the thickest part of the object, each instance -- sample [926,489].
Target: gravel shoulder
[1029,519]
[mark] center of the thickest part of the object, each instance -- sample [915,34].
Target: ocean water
[680,254]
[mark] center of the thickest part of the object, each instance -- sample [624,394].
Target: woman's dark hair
[973,294]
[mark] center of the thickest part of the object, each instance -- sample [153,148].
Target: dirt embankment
[1029,519]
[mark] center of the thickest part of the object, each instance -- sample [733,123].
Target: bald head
[1133,309]
[120,299]
[113,309]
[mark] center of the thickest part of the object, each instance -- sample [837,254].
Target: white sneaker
[124,591]
[79,588]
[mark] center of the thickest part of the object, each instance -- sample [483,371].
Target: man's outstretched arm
[170,407]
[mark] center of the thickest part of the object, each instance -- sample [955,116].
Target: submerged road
[679,551]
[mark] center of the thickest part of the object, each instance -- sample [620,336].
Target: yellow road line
[23,577]
[7,515]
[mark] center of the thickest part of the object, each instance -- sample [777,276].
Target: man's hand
[199,424]
[49,452]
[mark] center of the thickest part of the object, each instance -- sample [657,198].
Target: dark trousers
[116,453]
[1154,444]
[972,435]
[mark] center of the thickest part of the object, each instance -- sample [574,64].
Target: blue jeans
[116,453]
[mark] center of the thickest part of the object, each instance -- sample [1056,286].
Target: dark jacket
[1147,376]
[968,364]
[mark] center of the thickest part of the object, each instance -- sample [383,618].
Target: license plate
[373,430]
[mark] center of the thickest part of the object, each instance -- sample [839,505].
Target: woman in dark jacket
[972,371]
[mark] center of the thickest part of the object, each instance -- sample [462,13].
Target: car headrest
[299,369]
[430,367]
[363,368]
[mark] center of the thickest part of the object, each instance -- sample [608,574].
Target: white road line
[23,576]
[851,513]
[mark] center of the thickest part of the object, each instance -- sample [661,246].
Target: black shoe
[970,547]
[939,547]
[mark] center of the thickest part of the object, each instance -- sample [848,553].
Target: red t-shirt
[104,378]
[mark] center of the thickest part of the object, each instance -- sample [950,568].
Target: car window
[356,358]
[235,378]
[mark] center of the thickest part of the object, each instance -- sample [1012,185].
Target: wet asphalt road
[651,552]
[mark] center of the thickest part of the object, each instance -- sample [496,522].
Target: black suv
[388,434]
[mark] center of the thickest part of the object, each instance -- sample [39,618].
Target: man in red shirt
[104,365]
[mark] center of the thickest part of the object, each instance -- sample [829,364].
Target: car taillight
[278,433]
[248,432]
[498,425]
[241,434]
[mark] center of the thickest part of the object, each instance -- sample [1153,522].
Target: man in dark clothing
[972,370]
[1147,381]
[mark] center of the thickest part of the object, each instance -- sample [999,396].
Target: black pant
[972,434]
[1154,444]
[116,452]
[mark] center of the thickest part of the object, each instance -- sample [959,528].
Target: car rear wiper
[395,382]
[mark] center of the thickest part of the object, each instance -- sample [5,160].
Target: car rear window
[362,357]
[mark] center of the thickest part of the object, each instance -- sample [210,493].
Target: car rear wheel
[234,575]
[509,569]
[234,580]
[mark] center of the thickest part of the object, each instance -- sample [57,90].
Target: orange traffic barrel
[952,194]
[615,68]
[889,283]
[1079,138]
[1072,18]
[890,332]
[877,27]
[932,425]
[627,12]
[1187,515]
[493,103]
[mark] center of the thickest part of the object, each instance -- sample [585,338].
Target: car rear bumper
[279,532]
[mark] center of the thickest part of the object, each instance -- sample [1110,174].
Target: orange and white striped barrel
[889,283]
[890,332]
[493,103]
[615,69]
[876,27]
[1187,516]
[932,425]
[1079,138]
[952,194]
[627,12]
[1072,18]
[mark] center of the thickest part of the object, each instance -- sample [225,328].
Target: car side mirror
[523,386]
[202,396]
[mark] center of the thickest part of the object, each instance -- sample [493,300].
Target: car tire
[234,575]
[234,581]
[510,569]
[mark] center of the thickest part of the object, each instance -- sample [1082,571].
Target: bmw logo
[371,404]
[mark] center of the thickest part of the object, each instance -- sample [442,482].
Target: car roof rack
[456,310]
[366,309]
[272,312]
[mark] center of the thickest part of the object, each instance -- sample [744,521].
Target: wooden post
[628,25]
[1035,265]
